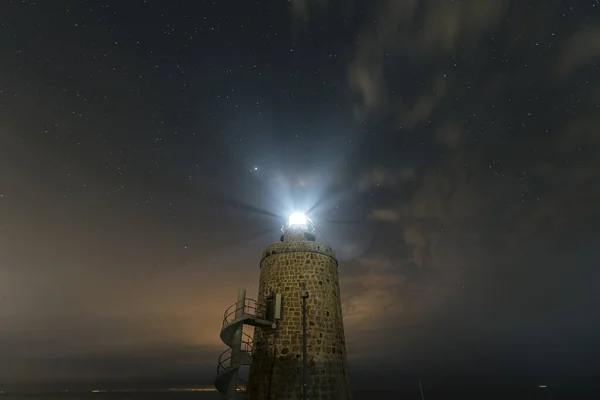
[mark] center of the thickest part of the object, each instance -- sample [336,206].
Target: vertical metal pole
[304,352]
[240,309]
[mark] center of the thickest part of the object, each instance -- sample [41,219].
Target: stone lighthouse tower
[305,271]
[298,349]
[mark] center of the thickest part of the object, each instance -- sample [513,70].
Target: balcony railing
[249,306]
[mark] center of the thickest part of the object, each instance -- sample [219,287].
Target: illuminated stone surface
[276,372]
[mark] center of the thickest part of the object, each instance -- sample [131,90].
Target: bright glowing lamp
[298,219]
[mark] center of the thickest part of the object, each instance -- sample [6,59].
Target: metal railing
[249,306]
[225,356]
[241,385]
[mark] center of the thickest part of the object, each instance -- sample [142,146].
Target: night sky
[150,151]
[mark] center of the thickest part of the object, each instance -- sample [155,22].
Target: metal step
[228,331]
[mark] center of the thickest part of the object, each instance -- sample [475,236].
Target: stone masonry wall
[276,372]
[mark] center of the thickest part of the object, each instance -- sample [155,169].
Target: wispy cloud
[581,49]
[517,166]
[386,178]
[385,214]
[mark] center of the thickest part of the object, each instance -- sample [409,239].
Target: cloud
[385,215]
[381,177]
[514,166]
[446,24]
[302,9]
[580,49]
[372,295]
[449,134]
[392,294]
[473,191]
[366,72]
[416,29]
[425,104]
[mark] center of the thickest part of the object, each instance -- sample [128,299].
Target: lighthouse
[298,348]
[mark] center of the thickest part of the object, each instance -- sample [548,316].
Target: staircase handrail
[249,306]
[227,354]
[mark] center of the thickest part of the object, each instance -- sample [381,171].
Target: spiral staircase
[239,353]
